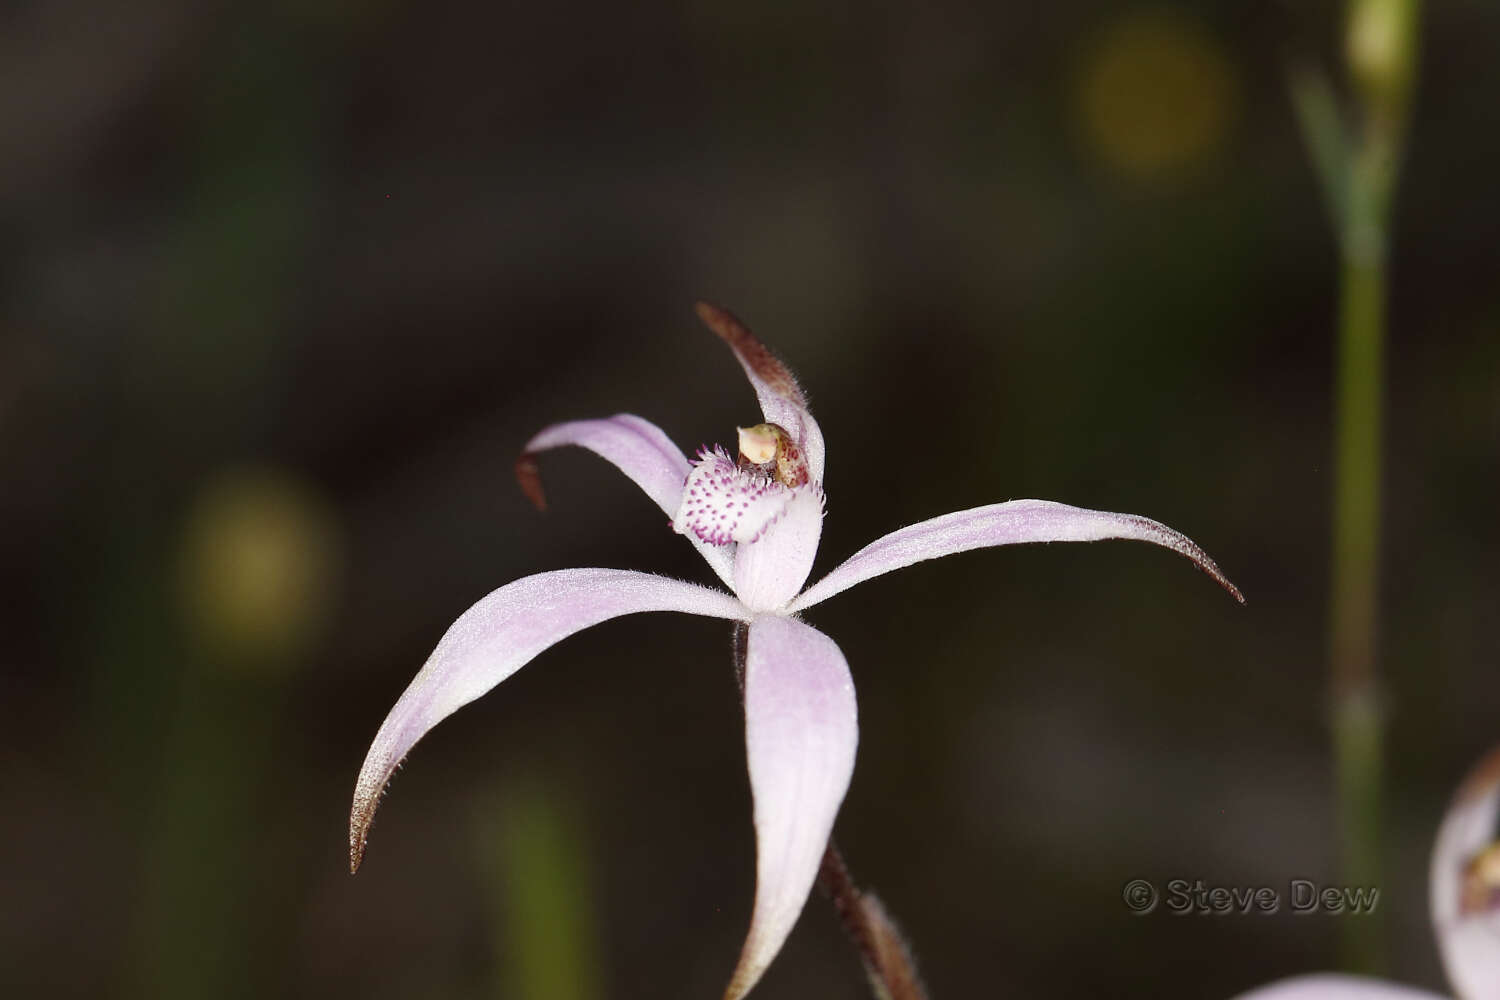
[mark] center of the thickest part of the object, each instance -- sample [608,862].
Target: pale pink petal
[1328,986]
[800,734]
[781,398]
[1010,523]
[723,504]
[770,570]
[498,636]
[637,448]
[1468,925]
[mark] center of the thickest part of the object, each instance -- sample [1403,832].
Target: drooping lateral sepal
[498,636]
[801,730]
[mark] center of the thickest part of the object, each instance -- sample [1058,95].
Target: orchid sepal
[636,447]
[496,637]
[801,730]
[1014,522]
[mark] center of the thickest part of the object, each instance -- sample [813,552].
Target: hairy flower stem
[887,958]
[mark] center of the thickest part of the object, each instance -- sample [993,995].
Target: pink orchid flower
[756,518]
[1464,896]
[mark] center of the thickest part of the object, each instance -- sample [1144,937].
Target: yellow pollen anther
[757,444]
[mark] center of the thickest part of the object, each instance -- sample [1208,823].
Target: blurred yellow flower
[1155,93]
[258,563]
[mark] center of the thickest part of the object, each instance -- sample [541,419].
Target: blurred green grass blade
[533,851]
[1326,136]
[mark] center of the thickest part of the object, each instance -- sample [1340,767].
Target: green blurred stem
[1382,46]
[535,856]
[1357,723]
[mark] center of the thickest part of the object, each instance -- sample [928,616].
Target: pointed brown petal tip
[1212,569]
[356,851]
[360,818]
[751,352]
[367,793]
[530,478]
[1183,545]
[1207,565]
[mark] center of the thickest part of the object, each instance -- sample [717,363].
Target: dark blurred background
[284,288]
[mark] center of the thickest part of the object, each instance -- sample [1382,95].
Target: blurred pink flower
[756,519]
[1464,895]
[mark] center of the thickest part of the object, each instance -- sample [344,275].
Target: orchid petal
[800,733]
[781,398]
[1468,931]
[1012,523]
[1335,987]
[637,448]
[498,636]
[769,571]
